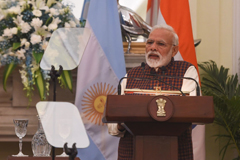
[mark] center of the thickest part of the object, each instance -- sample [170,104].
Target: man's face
[160,48]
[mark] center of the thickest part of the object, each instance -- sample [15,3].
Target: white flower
[36,23]
[52,26]
[42,32]
[27,44]
[37,13]
[64,10]
[61,11]
[24,77]
[3,13]
[45,44]
[20,53]
[7,32]
[14,10]
[54,11]
[73,24]
[46,8]
[22,3]
[1,16]
[56,20]
[18,21]
[67,25]
[5,56]
[25,27]
[14,30]
[23,41]
[59,5]
[37,4]
[35,38]
[67,10]
[35,67]
[44,27]
[48,35]
[3,4]
[50,2]
[11,54]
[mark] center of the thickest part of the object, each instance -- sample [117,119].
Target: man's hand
[120,127]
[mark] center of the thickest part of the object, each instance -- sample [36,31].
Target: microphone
[119,83]
[163,68]
[137,78]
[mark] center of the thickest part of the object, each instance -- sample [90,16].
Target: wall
[213,23]
[214,27]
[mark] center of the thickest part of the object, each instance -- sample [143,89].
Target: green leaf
[7,71]
[37,56]
[16,45]
[62,82]
[66,77]
[225,90]
[40,83]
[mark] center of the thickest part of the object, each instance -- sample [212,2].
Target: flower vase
[40,145]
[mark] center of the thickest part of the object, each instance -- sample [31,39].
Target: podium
[156,135]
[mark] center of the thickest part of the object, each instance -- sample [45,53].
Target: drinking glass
[20,130]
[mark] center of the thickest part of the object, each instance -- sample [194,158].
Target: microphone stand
[54,75]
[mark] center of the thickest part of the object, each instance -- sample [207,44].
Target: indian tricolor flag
[176,13]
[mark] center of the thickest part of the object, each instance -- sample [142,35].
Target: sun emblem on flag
[94,100]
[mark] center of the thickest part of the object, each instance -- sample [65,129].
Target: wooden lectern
[157,121]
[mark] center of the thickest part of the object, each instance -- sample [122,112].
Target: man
[161,47]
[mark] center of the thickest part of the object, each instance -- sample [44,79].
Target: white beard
[155,63]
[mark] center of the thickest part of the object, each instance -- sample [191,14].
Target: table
[38,158]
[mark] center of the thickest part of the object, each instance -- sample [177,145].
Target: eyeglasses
[159,44]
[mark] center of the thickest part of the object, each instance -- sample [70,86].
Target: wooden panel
[38,158]
[133,108]
[156,128]
[136,47]
[19,95]
[155,148]
[134,60]
[6,97]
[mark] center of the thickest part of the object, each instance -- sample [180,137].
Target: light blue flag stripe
[94,153]
[104,19]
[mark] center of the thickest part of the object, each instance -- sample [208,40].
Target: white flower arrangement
[25,29]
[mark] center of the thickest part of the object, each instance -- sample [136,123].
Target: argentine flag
[100,69]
